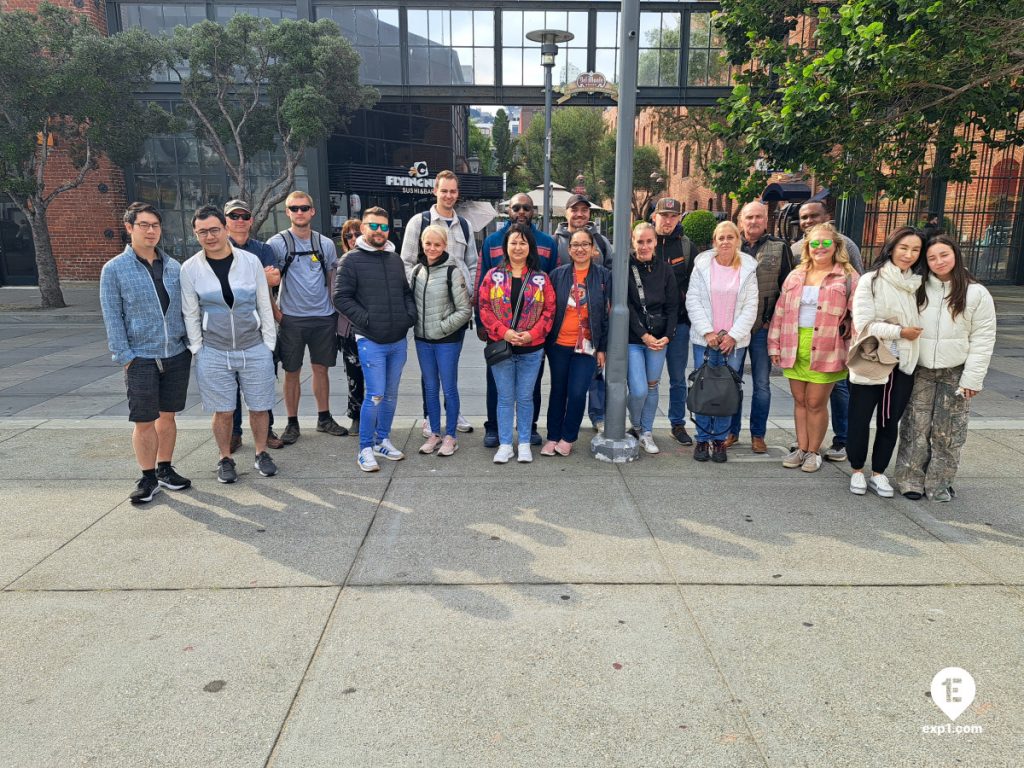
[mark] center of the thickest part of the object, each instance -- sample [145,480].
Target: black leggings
[890,400]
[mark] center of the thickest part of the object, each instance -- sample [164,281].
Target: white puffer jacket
[886,301]
[698,300]
[968,340]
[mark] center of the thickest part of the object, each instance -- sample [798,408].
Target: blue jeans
[761,398]
[382,370]
[645,365]
[514,380]
[491,425]
[715,427]
[676,359]
[595,397]
[571,376]
[840,402]
[439,365]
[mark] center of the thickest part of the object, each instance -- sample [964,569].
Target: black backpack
[462,223]
[314,237]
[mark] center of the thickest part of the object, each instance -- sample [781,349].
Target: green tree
[253,85]
[66,88]
[885,81]
[649,177]
[504,145]
[576,145]
[480,145]
[699,226]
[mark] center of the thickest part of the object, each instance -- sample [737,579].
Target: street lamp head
[549,40]
[474,163]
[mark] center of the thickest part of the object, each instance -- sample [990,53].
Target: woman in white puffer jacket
[959,322]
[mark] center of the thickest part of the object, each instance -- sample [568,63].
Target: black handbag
[499,351]
[715,390]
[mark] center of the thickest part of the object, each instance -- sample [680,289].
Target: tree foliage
[649,176]
[576,146]
[254,85]
[699,226]
[480,145]
[504,145]
[884,80]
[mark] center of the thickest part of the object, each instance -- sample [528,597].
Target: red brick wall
[80,217]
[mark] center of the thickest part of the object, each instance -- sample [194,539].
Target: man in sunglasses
[239,223]
[812,213]
[372,292]
[307,261]
[520,211]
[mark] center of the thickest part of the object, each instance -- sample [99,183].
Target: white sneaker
[648,444]
[504,453]
[599,426]
[880,485]
[386,450]
[858,485]
[463,425]
[366,461]
[525,454]
[425,428]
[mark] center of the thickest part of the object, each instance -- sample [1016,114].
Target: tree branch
[45,202]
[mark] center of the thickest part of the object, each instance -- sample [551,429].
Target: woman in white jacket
[959,312]
[885,306]
[722,304]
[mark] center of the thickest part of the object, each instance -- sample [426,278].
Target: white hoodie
[968,340]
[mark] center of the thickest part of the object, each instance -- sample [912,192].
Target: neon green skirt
[801,370]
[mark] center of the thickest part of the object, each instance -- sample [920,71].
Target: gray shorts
[221,374]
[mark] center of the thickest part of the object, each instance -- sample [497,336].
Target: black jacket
[599,296]
[677,251]
[661,297]
[371,290]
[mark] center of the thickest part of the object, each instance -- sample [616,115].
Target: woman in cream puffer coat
[959,322]
[442,312]
[885,306]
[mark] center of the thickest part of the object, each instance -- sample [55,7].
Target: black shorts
[152,391]
[320,334]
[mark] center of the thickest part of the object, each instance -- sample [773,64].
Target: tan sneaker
[812,462]
[449,445]
[794,458]
[432,444]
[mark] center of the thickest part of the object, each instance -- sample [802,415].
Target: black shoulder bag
[715,390]
[655,324]
[501,350]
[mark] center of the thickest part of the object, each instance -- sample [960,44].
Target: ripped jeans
[382,371]
[645,366]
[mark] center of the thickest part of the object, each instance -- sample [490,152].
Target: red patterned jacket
[536,313]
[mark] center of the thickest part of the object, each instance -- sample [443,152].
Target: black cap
[575,200]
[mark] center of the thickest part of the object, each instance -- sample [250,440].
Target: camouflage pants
[933,430]
[354,373]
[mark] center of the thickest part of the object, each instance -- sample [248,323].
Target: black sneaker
[634,432]
[145,490]
[331,427]
[290,434]
[226,470]
[681,435]
[265,464]
[718,454]
[490,438]
[702,452]
[168,478]
[535,438]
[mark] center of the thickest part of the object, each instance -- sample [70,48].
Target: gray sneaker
[812,462]
[794,459]
[265,464]
[226,472]
[942,494]
[837,452]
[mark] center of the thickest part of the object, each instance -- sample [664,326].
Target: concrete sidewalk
[451,612]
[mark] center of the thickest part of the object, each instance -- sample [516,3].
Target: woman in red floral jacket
[808,337]
[517,305]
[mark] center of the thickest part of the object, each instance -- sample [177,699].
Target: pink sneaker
[432,444]
[548,449]
[449,445]
[563,448]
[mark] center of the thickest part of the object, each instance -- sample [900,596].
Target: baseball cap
[668,205]
[575,199]
[236,205]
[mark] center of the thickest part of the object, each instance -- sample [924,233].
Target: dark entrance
[17,254]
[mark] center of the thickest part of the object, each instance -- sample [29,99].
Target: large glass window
[706,65]
[659,49]
[161,20]
[521,57]
[273,12]
[374,33]
[451,47]
[606,45]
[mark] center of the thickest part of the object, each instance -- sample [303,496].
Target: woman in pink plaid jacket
[809,337]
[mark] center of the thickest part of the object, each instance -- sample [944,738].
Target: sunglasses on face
[374,226]
[517,208]
[820,243]
[240,216]
[300,208]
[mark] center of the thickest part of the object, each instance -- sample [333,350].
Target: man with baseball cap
[677,251]
[239,218]
[577,217]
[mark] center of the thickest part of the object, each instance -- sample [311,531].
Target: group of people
[538,298]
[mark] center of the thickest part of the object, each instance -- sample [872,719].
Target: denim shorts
[220,374]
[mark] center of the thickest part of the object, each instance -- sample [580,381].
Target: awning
[791,191]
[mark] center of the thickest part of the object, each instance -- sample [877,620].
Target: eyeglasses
[578,246]
[820,243]
[202,234]
[300,208]
[147,226]
[523,207]
[374,226]
[239,216]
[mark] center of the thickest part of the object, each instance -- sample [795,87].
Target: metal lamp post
[549,40]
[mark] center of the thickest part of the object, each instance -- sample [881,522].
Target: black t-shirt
[220,268]
[156,272]
[517,289]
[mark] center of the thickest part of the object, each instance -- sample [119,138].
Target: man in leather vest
[774,261]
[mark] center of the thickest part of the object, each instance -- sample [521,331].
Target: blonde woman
[722,304]
[809,336]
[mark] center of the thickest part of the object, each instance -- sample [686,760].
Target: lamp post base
[615,451]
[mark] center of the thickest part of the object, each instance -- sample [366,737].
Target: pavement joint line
[741,709]
[327,626]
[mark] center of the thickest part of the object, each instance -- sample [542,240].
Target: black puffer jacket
[661,297]
[371,290]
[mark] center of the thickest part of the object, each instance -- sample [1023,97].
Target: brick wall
[85,223]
